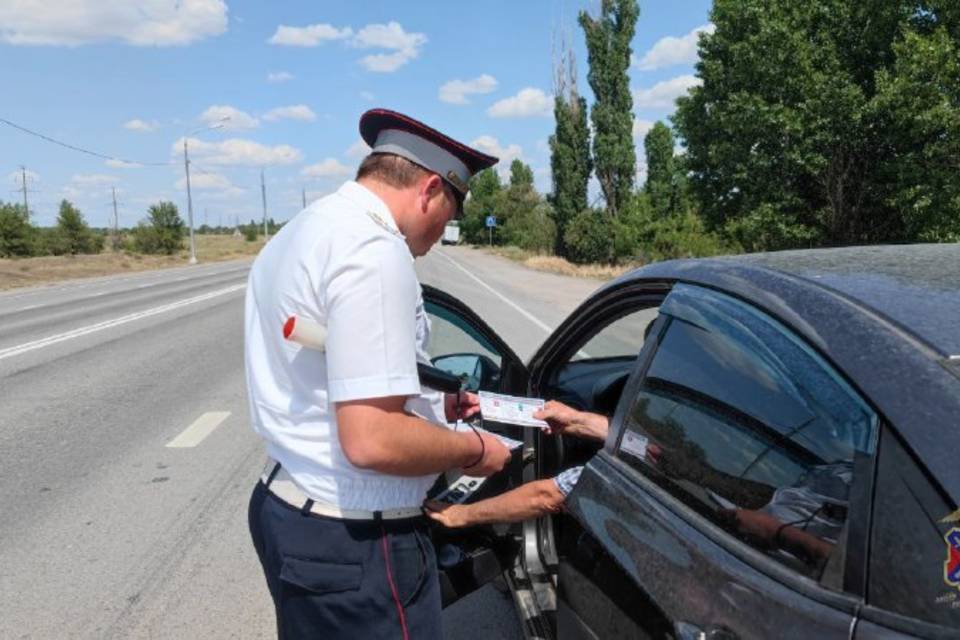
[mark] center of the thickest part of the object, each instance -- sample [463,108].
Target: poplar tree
[570,161]
[608,54]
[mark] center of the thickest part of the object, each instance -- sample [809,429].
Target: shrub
[161,232]
[589,237]
[16,233]
[532,229]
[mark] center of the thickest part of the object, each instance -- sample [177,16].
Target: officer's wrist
[472,451]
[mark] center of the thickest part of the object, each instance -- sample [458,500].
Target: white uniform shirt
[342,263]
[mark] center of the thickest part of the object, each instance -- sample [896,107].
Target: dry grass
[553,264]
[26,272]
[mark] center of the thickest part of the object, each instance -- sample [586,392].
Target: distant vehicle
[451,233]
[782,459]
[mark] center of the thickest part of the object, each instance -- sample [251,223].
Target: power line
[81,149]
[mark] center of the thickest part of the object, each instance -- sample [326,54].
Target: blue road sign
[491,221]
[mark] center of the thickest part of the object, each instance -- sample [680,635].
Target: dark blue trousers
[347,579]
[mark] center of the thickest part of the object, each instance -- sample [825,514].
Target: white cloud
[663,94]
[231,118]
[670,51]
[456,91]
[391,36]
[507,154]
[237,151]
[293,112]
[328,168]
[205,180]
[528,103]
[144,23]
[641,128]
[93,180]
[367,95]
[143,126]
[279,76]
[120,164]
[309,36]
[358,149]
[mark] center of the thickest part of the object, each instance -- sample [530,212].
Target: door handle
[687,631]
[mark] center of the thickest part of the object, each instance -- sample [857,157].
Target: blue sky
[130,80]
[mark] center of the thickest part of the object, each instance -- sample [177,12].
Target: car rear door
[731,499]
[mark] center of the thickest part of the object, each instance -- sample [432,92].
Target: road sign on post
[491,223]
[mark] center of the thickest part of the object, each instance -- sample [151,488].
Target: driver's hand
[565,420]
[449,515]
[469,405]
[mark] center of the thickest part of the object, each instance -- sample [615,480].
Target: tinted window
[750,427]
[915,546]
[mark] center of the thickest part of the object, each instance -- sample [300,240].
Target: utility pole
[23,180]
[303,193]
[204,216]
[116,221]
[263,193]
[186,168]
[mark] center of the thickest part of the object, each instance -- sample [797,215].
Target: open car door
[464,345]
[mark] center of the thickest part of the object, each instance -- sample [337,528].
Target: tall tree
[662,179]
[481,203]
[521,175]
[608,53]
[570,161]
[815,121]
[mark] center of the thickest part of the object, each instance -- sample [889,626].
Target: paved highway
[128,459]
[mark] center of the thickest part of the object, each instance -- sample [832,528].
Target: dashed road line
[199,430]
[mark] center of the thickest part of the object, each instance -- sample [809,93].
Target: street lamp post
[186,170]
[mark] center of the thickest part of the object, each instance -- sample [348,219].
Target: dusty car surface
[782,460]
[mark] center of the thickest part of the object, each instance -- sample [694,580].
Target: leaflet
[510,409]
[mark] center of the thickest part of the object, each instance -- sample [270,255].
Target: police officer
[336,517]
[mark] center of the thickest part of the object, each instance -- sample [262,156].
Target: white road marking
[200,429]
[526,314]
[28,307]
[9,352]
[529,316]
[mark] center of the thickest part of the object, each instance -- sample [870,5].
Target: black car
[783,459]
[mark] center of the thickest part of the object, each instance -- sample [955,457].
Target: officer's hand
[449,515]
[495,456]
[469,405]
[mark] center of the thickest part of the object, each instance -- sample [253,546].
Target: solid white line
[100,326]
[529,316]
[28,307]
[200,429]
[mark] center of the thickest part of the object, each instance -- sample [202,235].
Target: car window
[622,337]
[740,420]
[915,542]
[457,347]
[595,373]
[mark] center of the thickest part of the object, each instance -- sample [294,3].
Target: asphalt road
[108,531]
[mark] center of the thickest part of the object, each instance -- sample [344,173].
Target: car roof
[915,286]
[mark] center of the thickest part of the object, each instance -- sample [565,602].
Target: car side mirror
[475,371]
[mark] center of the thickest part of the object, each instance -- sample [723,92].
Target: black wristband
[483,449]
